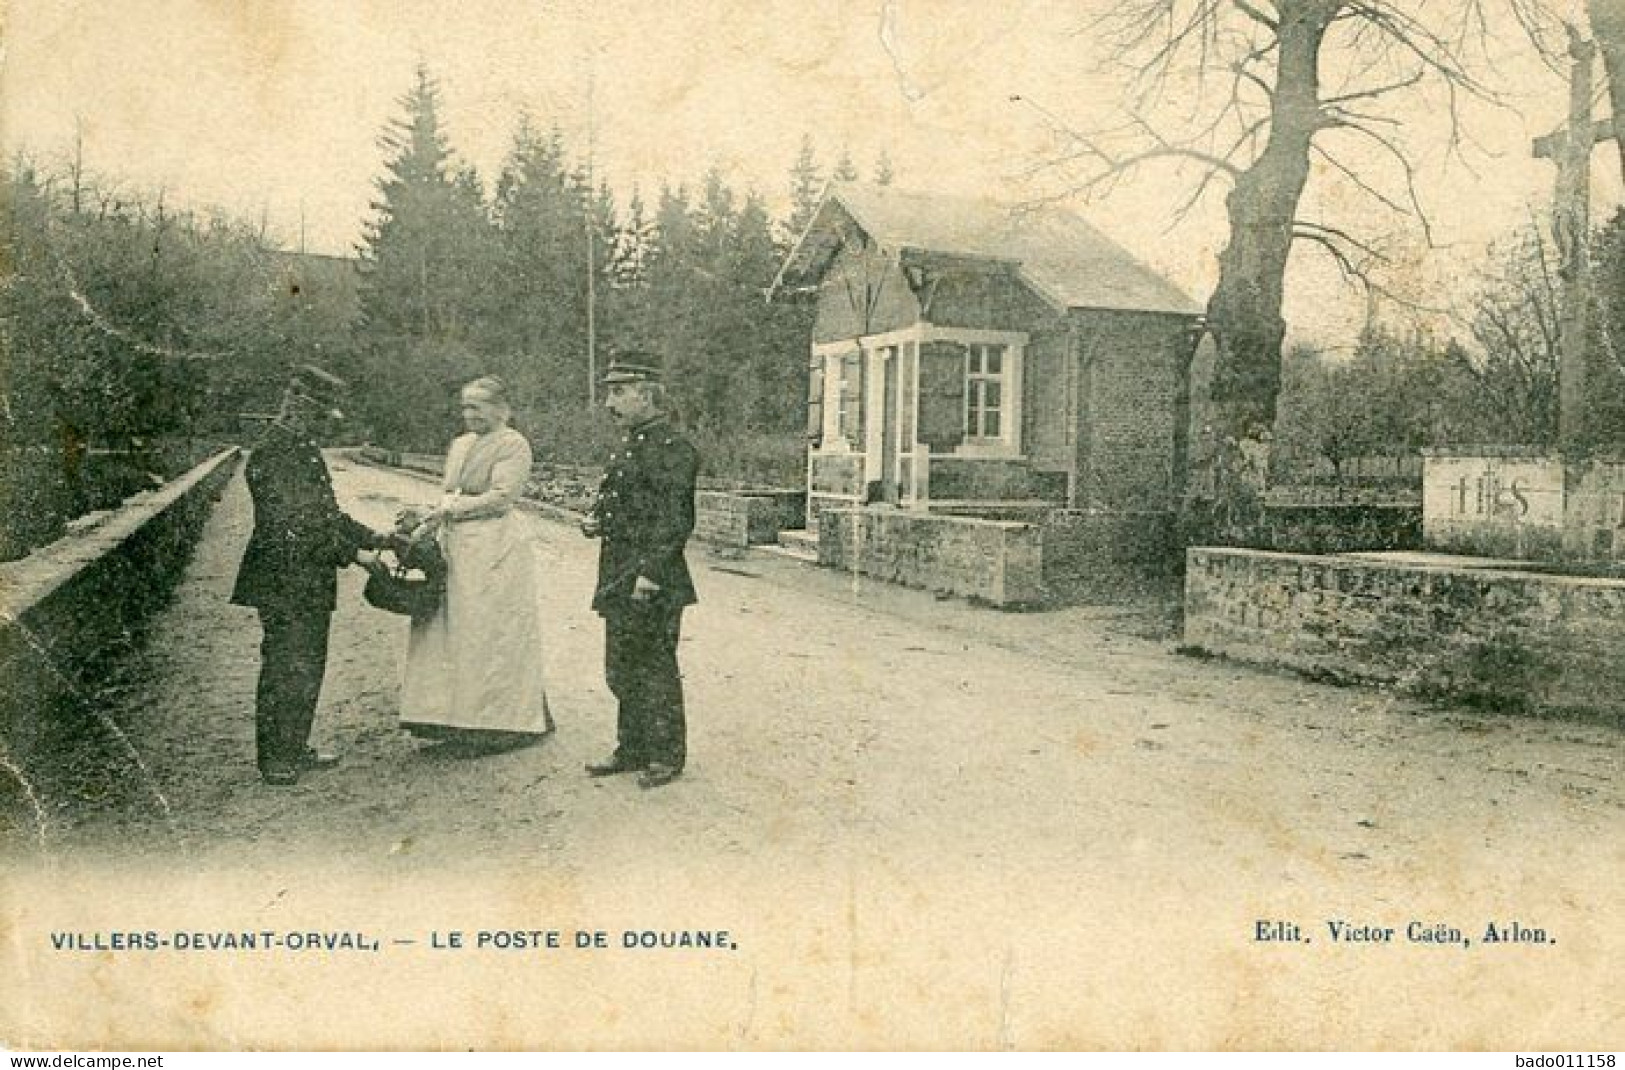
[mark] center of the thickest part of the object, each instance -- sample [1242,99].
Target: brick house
[973,359]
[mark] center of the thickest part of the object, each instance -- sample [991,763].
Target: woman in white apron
[474,668]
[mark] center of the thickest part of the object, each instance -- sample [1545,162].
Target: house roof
[1063,258]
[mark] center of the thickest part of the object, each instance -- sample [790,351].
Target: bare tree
[1516,321]
[1284,89]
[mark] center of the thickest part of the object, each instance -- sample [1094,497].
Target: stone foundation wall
[1097,556]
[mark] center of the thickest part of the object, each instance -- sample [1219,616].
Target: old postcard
[917,524]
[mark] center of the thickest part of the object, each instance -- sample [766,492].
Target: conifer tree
[883,169]
[806,187]
[425,261]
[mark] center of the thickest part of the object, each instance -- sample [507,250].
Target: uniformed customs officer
[289,572]
[644,515]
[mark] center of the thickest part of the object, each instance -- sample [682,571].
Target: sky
[273,109]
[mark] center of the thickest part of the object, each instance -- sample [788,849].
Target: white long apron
[477,662]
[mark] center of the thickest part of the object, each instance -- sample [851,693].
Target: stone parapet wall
[70,604]
[1507,640]
[988,560]
[1059,557]
[746,518]
[819,504]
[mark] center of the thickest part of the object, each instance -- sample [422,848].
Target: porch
[927,418]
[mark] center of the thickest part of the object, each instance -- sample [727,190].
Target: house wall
[1047,440]
[1129,371]
[1099,389]
[991,479]
[980,296]
[990,297]
[864,292]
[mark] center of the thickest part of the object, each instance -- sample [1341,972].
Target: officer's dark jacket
[301,538]
[645,512]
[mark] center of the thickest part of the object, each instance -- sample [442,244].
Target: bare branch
[1412,193]
[1354,177]
[1304,228]
[1420,42]
[1351,271]
[1375,91]
[1255,14]
[1249,75]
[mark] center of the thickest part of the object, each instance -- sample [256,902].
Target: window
[842,414]
[985,391]
[851,411]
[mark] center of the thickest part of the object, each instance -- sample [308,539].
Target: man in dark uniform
[644,515]
[290,572]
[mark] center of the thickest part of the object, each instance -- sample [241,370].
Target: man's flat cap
[632,371]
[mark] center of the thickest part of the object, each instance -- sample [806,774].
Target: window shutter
[815,402]
[942,395]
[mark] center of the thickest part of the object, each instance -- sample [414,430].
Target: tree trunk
[1245,310]
[1608,27]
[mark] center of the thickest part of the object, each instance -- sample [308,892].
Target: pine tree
[713,223]
[628,265]
[770,379]
[845,169]
[426,259]
[806,187]
[883,169]
[733,361]
[541,218]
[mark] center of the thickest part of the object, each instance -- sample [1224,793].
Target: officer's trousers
[640,665]
[293,658]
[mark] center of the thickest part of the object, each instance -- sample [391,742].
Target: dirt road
[923,823]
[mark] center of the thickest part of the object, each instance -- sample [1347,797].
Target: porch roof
[1064,259]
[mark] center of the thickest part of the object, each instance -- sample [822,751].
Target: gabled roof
[1065,260]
